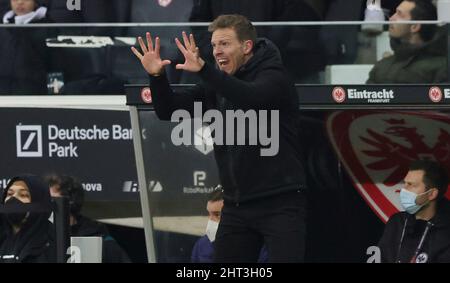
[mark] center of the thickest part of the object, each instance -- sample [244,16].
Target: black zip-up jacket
[260,84]
[35,242]
[436,241]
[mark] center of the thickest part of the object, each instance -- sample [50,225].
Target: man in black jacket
[422,232]
[263,191]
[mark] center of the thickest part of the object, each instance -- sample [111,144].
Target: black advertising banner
[342,96]
[96,146]
[93,145]
[373,96]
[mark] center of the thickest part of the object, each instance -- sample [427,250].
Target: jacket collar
[39,14]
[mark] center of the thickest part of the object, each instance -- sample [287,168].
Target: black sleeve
[166,101]
[266,91]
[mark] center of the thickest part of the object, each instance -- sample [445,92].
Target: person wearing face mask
[419,49]
[203,250]
[421,233]
[25,209]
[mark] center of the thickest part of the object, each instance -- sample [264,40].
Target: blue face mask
[408,201]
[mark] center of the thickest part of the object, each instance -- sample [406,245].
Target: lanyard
[419,246]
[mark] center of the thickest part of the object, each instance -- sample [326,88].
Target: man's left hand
[193,62]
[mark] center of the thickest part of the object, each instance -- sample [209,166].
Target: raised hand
[193,62]
[150,59]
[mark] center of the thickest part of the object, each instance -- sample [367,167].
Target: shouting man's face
[230,53]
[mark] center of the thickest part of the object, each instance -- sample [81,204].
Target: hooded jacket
[412,64]
[34,241]
[436,241]
[260,84]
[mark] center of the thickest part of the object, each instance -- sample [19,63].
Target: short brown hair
[216,195]
[424,10]
[243,27]
[435,175]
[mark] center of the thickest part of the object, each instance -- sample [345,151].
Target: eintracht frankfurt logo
[146,95]
[435,94]
[339,94]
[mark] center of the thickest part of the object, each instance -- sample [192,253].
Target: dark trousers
[276,221]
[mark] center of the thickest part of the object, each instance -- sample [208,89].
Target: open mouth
[222,62]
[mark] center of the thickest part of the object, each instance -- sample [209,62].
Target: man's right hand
[150,59]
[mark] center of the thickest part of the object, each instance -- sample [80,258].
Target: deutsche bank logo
[29,141]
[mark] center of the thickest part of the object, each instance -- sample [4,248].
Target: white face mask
[408,201]
[211,230]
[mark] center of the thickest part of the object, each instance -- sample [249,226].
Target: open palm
[150,57]
[191,53]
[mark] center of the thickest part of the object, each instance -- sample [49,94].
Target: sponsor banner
[376,148]
[93,145]
[361,95]
[369,95]
[96,146]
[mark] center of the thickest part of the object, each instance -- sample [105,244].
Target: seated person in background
[422,232]
[25,208]
[419,50]
[25,12]
[82,226]
[203,251]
